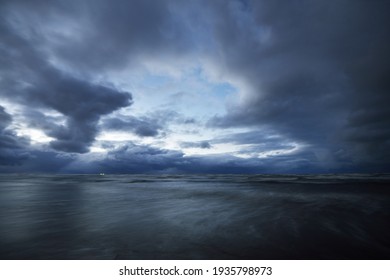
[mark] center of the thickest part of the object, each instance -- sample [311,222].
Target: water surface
[194,217]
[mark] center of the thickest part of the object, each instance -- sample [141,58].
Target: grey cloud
[316,74]
[131,158]
[151,125]
[143,127]
[256,142]
[109,35]
[29,79]
[41,161]
[5,118]
[255,136]
[13,149]
[82,103]
[311,66]
[200,144]
[189,121]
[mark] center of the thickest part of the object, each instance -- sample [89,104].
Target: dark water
[194,217]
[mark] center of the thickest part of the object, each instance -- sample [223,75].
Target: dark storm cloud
[82,103]
[317,71]
[12,148]
[109,35]
[31,80]
[42,162]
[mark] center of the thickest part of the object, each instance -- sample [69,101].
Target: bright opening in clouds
[194,86]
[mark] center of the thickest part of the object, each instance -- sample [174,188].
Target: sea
[203,216]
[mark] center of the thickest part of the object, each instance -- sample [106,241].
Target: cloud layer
[304,86]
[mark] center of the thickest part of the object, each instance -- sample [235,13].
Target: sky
[203,86]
